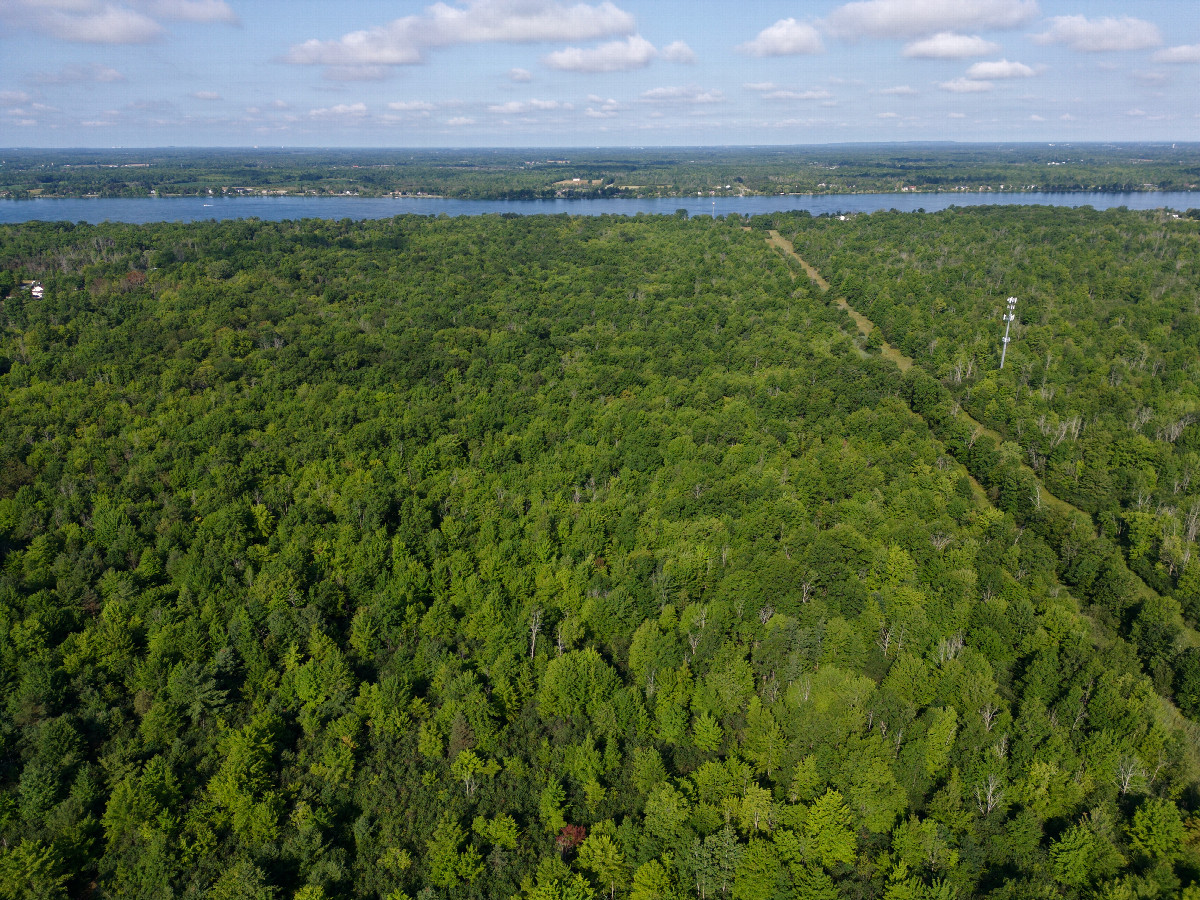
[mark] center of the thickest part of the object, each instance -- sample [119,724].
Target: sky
[530,73]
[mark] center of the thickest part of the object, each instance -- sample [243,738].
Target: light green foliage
[827,831]
[706,732]
[599,855]
[550,803]
[324,539]
[500,830]
[666,812]
[652,881]
[758,872]
[1073,855]
[30,870]
[1157,830]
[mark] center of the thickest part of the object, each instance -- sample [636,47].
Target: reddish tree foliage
[570,837]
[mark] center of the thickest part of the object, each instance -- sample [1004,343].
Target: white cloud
[682,95]
[14,97]
[92,73]
[519,76]
[603,109]
[340,111]
[1036,118]
[797,95]
[1136,113]
[948,45]
[109,22]
[109,25]
[356,73]
[887,115]
[206,95]
[413,106]
[787,37]
[761,86]
[193,10]
[1185,53]
[96,123]
[965,86]
[956,115]
[679,52]
[518,107]
[913,18]
[901,90]
[1000,68]
[1100,35]
[635,52]
[404,41]
[1067,117]
[460,122]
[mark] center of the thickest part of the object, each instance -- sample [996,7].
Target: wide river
[199,209]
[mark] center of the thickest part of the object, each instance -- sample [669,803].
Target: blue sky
[99,73]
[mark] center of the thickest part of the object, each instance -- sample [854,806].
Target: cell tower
[1009,318]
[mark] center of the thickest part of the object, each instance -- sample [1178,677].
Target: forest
[598,557]
[583,173]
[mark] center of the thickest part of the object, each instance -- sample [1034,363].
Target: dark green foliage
[540,557]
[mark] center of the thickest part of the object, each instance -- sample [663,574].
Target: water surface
[139,210]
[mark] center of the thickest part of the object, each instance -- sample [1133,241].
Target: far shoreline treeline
[574,173]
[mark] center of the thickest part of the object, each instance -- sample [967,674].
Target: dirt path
[1189,635]
[865,325]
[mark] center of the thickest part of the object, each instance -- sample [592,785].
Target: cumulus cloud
[1036,118]
[193,10]
[14,97]
[948,45]
[519,107]
[1000,68]
[761,86]
[679,52]
[1185,53]
[797,95]
[682,95]
[356,73]
[887,115]
[460,121]
[635,52]
[901,90]
[88,74]
[965,86]
[601,108]
[405,41]
[340,111]
[787,37]
[411,106]
[914,18]
[206,95]
[106,22]
[1101,35]
[519,76]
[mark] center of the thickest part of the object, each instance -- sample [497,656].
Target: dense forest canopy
[573,557]
[578,172]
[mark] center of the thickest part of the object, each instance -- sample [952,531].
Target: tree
[601,856]
[31,870]
[758,872]
[827,830]
[1157,830]
[1072,856]
[651,881]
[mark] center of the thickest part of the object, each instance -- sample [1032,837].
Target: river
[197,209]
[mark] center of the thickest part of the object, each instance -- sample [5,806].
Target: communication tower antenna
[1009,318]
